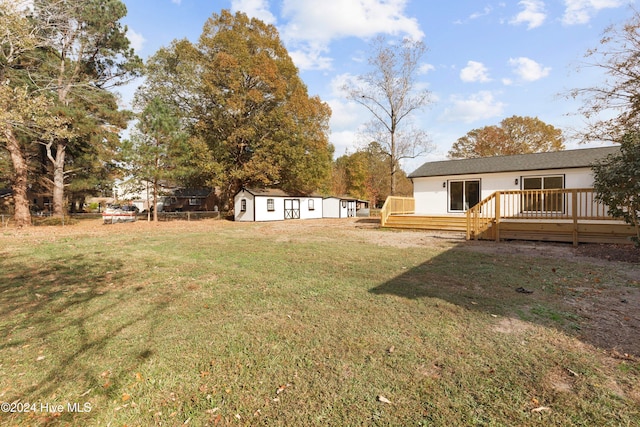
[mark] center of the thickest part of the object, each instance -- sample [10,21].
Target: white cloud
[339,81]
[528,70]
[344,142]
[425,68]
[345,114]
[476,15]
[581,11]
[475,72]
[176,2]
[136,39]
[254,9]
[313,24]
[486,11]
[533,14]
[478,106]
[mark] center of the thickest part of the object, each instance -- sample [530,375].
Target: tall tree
[157,147]
[612,108]
[391,94]
[514,135]
[239,91]
[92,155]
[86,51]
[25,112]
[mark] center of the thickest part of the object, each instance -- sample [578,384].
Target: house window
[243,205]
[311,204]
[344,203]
[270,205]
[195,202]
[463,194]
[534,201]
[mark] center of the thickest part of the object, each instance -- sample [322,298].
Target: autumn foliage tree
[364,174]
[240,93]
[514,135]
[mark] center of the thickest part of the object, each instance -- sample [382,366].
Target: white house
[344,207]
[252,204]
[451,187]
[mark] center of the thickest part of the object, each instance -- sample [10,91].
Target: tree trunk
[58,181]
[58,177]
[393,158]
[155,200]
[22,215]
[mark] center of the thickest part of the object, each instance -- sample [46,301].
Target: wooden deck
[568,215]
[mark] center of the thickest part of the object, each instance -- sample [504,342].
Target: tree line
[231,110]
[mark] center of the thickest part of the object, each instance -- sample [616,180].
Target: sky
[486,60]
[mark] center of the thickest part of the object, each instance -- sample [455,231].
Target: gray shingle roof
[521,162]
[275,192]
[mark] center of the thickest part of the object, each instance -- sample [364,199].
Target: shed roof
[275,192]
[567,159]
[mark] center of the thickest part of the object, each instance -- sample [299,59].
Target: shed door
[351,208]
[291,208]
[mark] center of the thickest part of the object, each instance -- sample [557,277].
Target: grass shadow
[546,291]
[59,317]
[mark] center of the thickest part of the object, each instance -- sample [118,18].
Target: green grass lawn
[218,323]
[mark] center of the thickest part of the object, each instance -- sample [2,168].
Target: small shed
[344,207]
[271,204]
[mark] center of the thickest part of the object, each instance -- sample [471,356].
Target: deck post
[574,215]
[497,217]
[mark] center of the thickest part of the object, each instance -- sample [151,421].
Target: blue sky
[486,60]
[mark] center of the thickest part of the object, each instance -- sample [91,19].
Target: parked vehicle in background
[118,213]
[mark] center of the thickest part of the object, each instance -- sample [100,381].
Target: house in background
[272,204]
[171,198]
[451,187]
[190,200]
[344,207]
[539,196]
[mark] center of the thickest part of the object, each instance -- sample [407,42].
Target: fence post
[574,215]
[497,216]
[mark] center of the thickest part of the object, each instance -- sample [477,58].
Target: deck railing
[562,204]
[396,206]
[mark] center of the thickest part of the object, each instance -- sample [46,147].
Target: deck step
[442,223]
